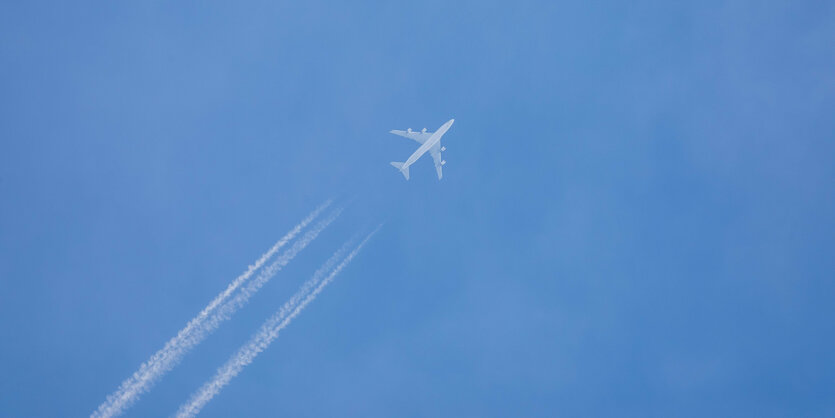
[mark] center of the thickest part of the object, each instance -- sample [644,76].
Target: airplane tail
[403,168]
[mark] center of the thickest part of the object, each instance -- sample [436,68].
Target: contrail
[269,331]
[208,319]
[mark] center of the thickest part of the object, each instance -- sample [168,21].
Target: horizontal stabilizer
[403,168]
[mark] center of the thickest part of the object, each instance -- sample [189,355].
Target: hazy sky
[636,216]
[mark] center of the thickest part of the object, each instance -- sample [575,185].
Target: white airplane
[428,141]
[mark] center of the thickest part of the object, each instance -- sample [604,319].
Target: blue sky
[636,217]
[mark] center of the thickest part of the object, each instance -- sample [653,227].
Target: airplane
[428,141]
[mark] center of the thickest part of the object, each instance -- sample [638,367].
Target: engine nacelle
[443,148]
[443,162]
[409,130]
[423,131]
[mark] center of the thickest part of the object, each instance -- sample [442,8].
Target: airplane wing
[420,137]
[436,156]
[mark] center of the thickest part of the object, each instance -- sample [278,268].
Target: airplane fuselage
[426,146]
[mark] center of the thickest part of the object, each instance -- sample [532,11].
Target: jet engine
[443,162]
[409,130]
[443,148]
[423,131]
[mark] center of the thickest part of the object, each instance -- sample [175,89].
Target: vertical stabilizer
[402,167]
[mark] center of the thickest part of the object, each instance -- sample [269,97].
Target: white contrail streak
[269,331]
[208,319]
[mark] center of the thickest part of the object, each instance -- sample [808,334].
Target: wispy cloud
[219,309]
[271,328]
